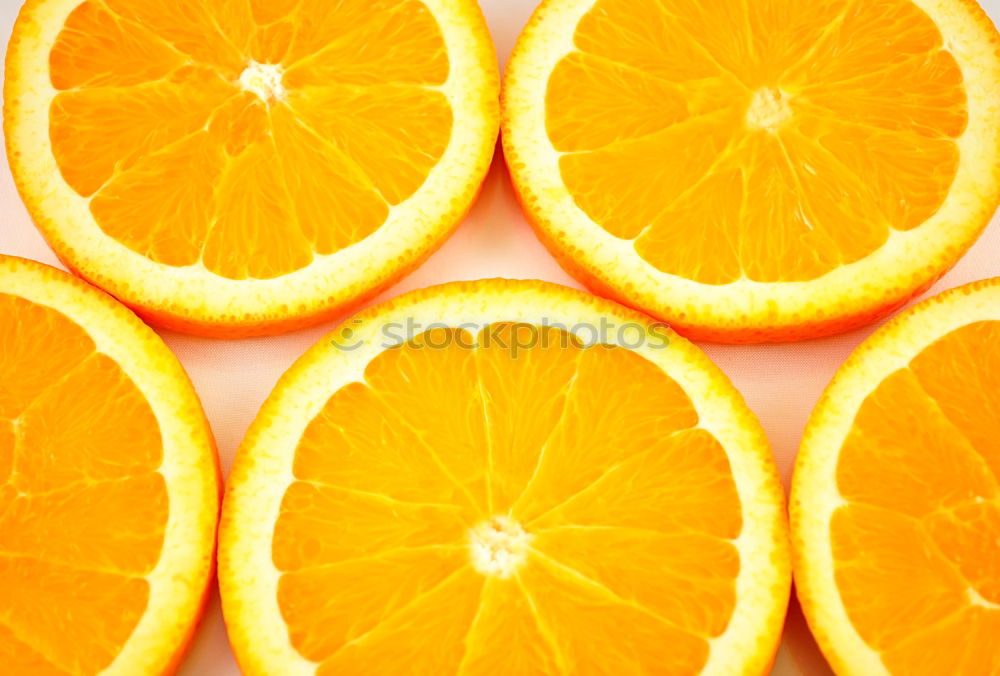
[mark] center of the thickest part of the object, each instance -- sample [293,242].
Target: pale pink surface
[780,382]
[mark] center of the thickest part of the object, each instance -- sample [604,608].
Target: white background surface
[780,382]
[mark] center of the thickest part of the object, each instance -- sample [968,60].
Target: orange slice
[504,477]
[896,496]
[109,487]
[756,171]
[241,167]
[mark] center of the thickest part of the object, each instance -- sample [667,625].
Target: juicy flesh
[917,547]
[247,135]
[82,506]
[466,507]
[772,140]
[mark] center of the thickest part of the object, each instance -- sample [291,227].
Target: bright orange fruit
[766,170]
[109,487]
[896,496]
[240,167]
[494,491]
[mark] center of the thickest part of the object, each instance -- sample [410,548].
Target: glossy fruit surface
[756,171]
[496,490]
[109,487]
[896,495]
[241,167]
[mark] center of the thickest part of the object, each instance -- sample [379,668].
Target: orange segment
[78,618]
[97,49]
[880,99]
[686,156]
[329,24]
[580,615]
[640,403]
[402,46]
[373,526]
[167,225]
[99,132]
[971,528]
[640,36]
[331,187]
[313,599]
[506,617]
[526,400]
[108,484]
[21,657]
[902,29]
[350,420]
[900,176]
[892,580]
[971,629]
[91,425]
[418,388]
[642,104]
[443,612]
[28,329]
[412,124]
[695,587]
[626,186]
[814,203]
[81,515]
[690,236]
[896,498]
[255,234]
[784,36]
[276,161]
[942,470]
[213,33]
[959,372]
[495,493]
[700,495]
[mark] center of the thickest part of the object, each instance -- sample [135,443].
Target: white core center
[264,80]
[768,110]
[498,546]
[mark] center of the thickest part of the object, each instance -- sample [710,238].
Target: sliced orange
[109,487]
[896,496]
[238,167]
[756,171]
[472,479]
